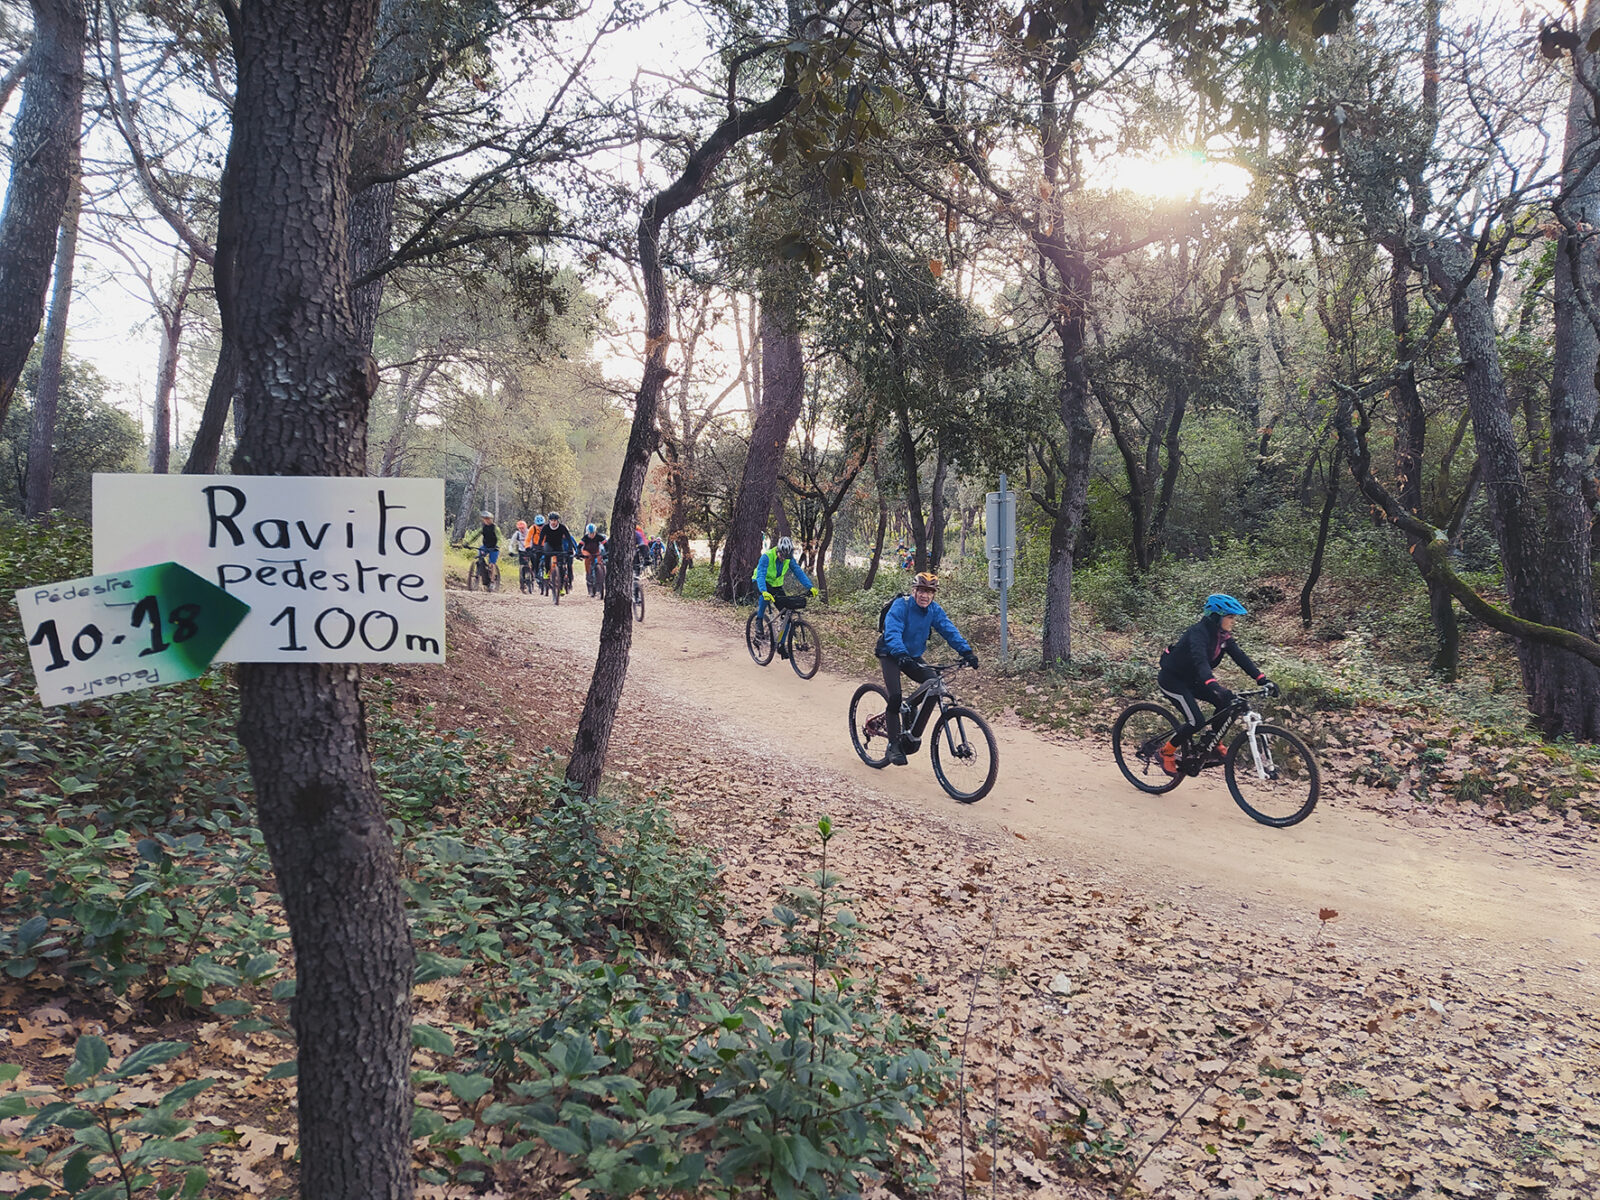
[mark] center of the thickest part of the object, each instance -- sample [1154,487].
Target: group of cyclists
[548,548]
[1187,668]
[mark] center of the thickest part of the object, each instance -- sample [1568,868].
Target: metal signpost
[1000,543]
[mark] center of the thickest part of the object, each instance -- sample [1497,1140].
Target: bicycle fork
[1260,752]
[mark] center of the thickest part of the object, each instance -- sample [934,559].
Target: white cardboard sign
[334,569]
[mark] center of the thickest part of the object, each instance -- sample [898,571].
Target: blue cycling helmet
[1225,606]
[539,520]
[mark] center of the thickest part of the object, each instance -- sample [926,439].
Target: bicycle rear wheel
[1136,741]
[805,649]
[1280,786]
[869,729]
[758,638]
[966,760]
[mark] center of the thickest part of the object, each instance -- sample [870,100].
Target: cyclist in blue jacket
[1188,671]
[906,626]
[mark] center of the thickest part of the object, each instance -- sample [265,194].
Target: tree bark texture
[782,393]
[47,397]
[937,513]
[1567,691]
[305,387]
[593,738]
[44,156]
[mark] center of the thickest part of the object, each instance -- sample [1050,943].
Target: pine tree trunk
[44,155]
[305,391]
[936,514]
[593,738]
[47,396]
[782,393]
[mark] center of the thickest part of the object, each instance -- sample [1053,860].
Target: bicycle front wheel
[473,578]
[1277,783]
[805,649]
[869,727]
[758,638]
[494,578]
[638,600]
[1136,741]
[525,580]
[966,760]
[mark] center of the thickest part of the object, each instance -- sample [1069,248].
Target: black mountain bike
[1269,770]
[966,760]
[483,573]
[795,638]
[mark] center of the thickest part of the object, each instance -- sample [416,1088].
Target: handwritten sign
[333,569]
[120,632]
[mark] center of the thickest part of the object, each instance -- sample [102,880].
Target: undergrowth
[577,997]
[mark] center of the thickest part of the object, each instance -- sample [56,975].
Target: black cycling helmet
[555,517]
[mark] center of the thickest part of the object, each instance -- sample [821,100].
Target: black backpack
[883,613]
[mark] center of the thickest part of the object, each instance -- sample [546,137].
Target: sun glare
[1186,175]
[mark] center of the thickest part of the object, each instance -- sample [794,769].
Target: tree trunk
[170,313]
[1073,397]
[1315,573]
[44,155]
[936,512]
[207,444]
[305,391]
[1564,690]
[877,541]
[407,403]
[782,392]
[469,497]
[42,431]
[593,737]
[913,493]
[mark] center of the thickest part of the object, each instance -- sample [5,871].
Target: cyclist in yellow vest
[772,572]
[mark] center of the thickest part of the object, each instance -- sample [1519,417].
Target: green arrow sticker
[120,632]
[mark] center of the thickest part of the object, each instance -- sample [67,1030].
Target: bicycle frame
[931,694]
[1218,728]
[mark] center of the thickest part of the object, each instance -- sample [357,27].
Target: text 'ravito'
[334,569]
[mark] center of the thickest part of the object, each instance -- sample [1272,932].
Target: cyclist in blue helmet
[1188,670]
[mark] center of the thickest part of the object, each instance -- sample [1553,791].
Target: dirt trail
[1512,905]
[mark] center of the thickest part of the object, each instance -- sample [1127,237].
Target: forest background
[1293,301]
